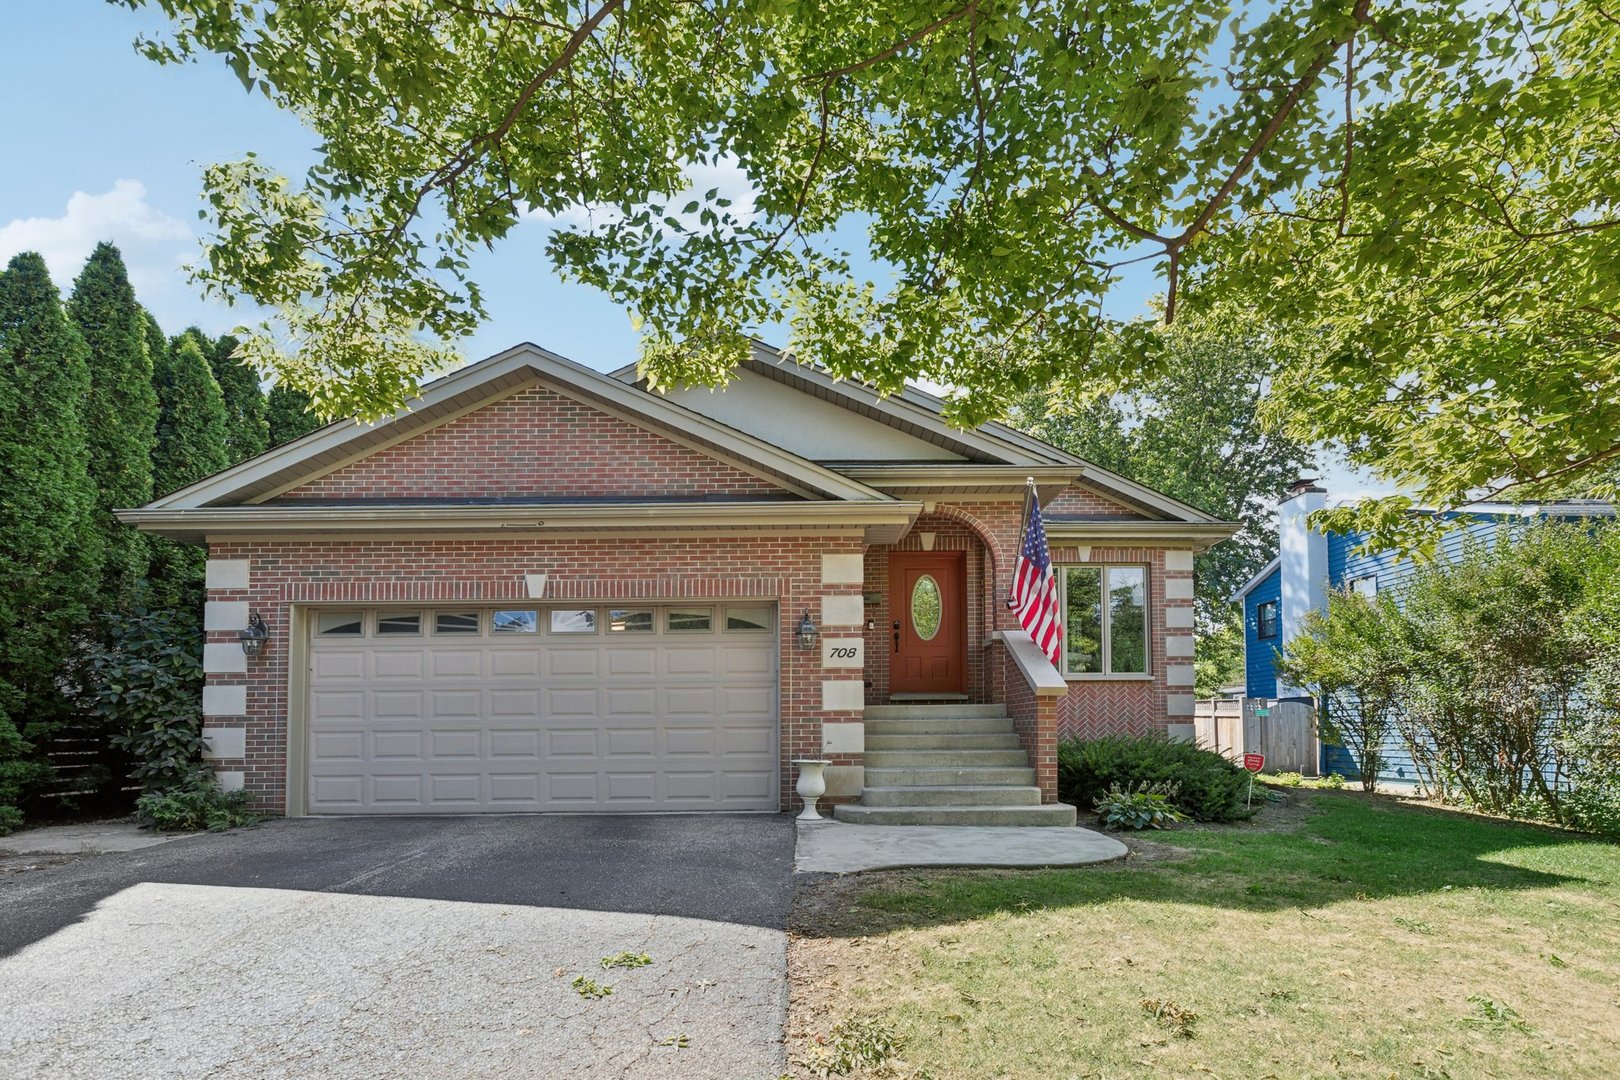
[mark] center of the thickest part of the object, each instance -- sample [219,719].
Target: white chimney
[1303,561]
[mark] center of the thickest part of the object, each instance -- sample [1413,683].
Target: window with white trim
[1365,586]
[1105,620]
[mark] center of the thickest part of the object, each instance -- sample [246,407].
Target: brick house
[542,587]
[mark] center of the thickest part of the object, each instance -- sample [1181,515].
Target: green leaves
[1420,197]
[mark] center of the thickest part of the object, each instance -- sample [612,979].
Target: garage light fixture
[253,635]
[807,632]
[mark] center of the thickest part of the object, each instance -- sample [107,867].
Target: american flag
[1034,593]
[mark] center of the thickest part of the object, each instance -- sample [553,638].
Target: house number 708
[843,652]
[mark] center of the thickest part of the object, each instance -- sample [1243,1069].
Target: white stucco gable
[806,425]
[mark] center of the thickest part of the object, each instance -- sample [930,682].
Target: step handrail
[1033,664]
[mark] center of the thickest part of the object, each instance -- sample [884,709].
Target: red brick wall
[786,568]
[1136,706]
[1079,500]
[534,444]
[1034,719]
[1093,706]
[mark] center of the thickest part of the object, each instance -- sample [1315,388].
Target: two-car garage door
[470,709]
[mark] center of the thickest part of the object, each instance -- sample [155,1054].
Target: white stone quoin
[843,738]
[225,742]
[224,700]
[226,574]
[842,611]
[843,695]
[843,569]
[223,658]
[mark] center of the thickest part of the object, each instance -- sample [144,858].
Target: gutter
[194,524]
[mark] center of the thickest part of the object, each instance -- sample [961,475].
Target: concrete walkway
[93,838]
[832,847]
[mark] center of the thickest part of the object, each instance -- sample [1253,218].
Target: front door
[928,602]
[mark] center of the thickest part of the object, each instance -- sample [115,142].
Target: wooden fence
[1284,731]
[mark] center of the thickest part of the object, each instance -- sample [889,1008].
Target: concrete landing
[832,847]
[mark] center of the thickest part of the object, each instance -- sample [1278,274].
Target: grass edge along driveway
[1340,934]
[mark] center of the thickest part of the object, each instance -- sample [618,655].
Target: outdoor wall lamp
[806,632]
[253,635]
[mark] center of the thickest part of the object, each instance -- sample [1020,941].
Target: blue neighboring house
[1310,563]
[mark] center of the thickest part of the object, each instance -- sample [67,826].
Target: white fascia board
[534,519]
[1249,586]
[1189,534]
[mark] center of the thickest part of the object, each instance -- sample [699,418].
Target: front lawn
[1339,934]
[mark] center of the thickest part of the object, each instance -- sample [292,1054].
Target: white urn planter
[812,785]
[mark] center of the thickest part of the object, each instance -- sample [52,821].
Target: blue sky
[105,145]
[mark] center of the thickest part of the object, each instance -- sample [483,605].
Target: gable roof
[1254,582]
[920,414]
[335,445]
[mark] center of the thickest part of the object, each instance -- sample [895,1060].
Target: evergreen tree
[289,414]
[248,433]
[119,412]
[192,429]
[157,350]
[50,556]
[191,445]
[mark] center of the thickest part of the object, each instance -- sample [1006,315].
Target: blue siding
[1259,673]
[1392,572]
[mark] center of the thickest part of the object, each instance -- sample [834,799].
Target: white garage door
[467,710]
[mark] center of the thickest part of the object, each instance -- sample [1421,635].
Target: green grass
[1340,935]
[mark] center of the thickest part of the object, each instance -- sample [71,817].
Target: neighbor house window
[1265,620]
[1105,620]
[1365,586]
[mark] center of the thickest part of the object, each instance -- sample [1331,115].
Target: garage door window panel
[401,624]
[341,624]
[449,623]
[690,620]
[515,621]
[573,620]
[630,621]
[750,619]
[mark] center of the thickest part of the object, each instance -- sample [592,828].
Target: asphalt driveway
[419,947]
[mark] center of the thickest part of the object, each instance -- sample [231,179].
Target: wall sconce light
[806,632]
[253,635]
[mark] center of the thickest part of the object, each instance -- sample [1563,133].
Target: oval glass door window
[925,609]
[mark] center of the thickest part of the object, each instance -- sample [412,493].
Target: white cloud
[726,177]
[144,234]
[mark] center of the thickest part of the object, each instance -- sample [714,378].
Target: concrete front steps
[954,764]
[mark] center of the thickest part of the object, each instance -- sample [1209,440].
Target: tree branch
[899,46]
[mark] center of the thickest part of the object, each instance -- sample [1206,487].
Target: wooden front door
[928,603]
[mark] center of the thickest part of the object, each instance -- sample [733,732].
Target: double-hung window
[1105,620]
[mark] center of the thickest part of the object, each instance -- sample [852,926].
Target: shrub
[147,684]
[1208,787]
[1332,781]
[196,803]
[1145,807]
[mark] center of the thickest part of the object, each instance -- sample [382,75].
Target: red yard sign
[1254,762]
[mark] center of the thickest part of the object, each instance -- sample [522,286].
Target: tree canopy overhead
[1423,193]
